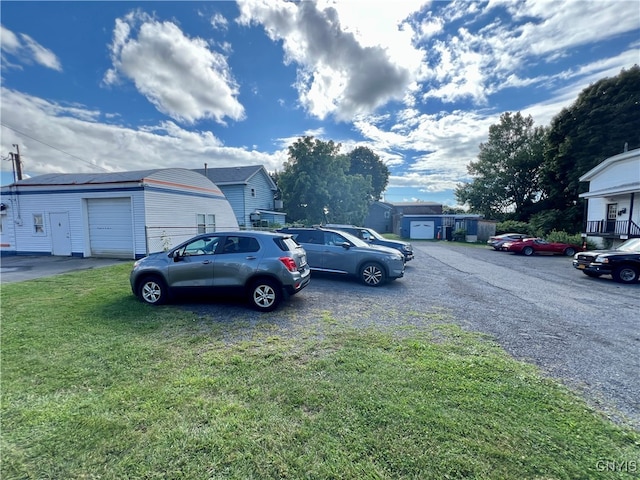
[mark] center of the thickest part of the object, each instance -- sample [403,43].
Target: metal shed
[118,215]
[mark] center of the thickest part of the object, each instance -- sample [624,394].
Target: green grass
[96,384]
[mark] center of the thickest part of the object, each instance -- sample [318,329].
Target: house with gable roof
[251,192]
[613,200]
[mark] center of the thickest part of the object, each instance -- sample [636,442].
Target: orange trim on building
[180,185]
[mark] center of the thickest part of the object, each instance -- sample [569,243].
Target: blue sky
[113,86]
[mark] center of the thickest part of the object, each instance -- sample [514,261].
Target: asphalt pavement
[18,268]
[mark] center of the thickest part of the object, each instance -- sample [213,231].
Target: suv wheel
[152,290]
[372,274]
[625,274]
[265,295]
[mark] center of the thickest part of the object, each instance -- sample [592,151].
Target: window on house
[38,224]
[253,192]
[206,222]
[612,211]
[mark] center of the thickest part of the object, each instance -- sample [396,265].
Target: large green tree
[506,177]
[604,118]
[367,163]
[316,185]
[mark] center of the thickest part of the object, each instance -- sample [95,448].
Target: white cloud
[27,50]
[338,73]
[180,75]
[55,146]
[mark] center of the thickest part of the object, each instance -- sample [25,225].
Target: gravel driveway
[579,330]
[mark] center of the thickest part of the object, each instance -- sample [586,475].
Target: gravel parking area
[579,330]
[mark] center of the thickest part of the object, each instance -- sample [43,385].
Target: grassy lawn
[97,385]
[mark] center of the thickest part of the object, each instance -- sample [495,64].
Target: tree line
[523,173]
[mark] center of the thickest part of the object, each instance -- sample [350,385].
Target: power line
[55,148]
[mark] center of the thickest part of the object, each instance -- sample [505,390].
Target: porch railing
[618,227]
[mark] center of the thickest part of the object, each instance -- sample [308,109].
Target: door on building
[60,234]
[422,230]
[110,227]
[612,216]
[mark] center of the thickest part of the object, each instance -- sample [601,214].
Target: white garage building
[119,215]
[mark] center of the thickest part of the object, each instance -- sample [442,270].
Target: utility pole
[18,162]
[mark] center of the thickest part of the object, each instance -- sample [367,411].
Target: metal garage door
[110,227]
[422,230]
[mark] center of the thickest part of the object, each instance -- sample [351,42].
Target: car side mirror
[346,245]
[176,256]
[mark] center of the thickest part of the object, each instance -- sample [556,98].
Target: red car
[529,246]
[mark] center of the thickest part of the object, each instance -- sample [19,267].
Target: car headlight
[406,248]
[601,259]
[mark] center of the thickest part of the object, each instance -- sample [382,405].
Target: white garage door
[110,227]
[422,230]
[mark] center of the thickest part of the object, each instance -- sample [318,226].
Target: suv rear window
[286,244]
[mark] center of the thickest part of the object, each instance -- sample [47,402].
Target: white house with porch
[613,200]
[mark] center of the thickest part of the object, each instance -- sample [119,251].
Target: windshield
[632,245]
[351,238]
[375,234]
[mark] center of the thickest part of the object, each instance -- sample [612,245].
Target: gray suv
[264,266]
[335,251]
[371,236]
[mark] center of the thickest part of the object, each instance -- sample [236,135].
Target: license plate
[303,261]
[582,267]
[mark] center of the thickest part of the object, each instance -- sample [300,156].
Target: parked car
[263,266]
[622,263]
[334,251]
[371,236]
[497,241]
[529,246]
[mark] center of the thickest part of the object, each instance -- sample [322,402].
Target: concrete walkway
[18,268]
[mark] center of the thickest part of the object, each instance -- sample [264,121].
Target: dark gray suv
[264,266]
[371,236]
[335,251]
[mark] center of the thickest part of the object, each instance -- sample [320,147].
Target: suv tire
[265,294]
[372,274]
[152,290]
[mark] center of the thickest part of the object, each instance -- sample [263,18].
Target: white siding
[617,174]
[166,198]
[55,199]
[172,200]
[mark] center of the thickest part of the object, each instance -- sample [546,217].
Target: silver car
[264,266]
[339,252]
[497,241]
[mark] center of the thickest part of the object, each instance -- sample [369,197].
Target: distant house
[251,193]
[120,215]
[613,199]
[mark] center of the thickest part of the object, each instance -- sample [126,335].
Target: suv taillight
[290,263]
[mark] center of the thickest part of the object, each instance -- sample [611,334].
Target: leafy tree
[507,173]
[368,164]
[316,186]
[604,118]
